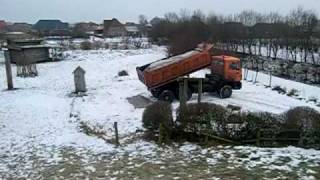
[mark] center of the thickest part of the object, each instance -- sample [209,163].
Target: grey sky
[128,10]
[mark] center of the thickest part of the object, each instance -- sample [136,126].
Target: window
[235,66]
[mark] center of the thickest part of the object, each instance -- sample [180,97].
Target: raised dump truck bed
[169,69]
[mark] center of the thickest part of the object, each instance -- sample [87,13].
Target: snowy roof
[15,33]
[132,28]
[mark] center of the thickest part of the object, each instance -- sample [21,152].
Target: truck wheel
[225,92]
[189,94]
[166,95]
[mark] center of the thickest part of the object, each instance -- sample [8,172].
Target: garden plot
[41,137]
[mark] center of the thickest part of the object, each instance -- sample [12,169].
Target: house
[20,27]
[145,29]
[50,27]
[84,29]
[113,28]
[132,29]
[3,26]
[99,31]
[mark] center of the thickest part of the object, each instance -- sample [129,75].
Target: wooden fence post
[8,69]
[116,133]
[182,96]
[255,79]
[245,74]
[258,138]
[185,89]
[199,91]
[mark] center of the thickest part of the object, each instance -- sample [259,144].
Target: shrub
[202,117]
[123,73]
[313,99]
[303,118]
[310,139]
[279,89]
[86,45]
[308,121]
[293,92]
[97,45]
[156,113]
[255,121]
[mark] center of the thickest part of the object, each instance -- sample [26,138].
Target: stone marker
[79,80]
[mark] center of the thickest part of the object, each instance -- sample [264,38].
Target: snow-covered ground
[256,97]
[40,134]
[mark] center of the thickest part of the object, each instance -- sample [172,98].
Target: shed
[28,51]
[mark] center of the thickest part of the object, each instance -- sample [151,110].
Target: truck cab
[229,69]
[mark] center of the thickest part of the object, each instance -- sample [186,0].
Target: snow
[132,28]
[175,59]
[39,111]
[43,113]
[306,91]
[256,97]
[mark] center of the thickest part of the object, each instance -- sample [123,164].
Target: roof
[132,28]
[79,70]
[26,44]
[50,25]
[113,22]
[15,33]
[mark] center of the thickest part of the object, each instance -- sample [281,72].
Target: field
[41,135]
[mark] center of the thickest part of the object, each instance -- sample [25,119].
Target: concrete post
[79,80]
[8,69]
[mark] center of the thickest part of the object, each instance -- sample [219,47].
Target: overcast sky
[128,10]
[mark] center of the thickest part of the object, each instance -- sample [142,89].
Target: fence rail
[260,138]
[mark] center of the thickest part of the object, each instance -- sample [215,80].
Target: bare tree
[171,17]
[185,15]
[143,20]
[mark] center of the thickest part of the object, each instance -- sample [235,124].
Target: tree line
[295,36]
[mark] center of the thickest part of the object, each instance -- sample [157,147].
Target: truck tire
[189,94]
[167,96]
[225,92]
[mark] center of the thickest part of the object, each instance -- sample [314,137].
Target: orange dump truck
[161,77]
